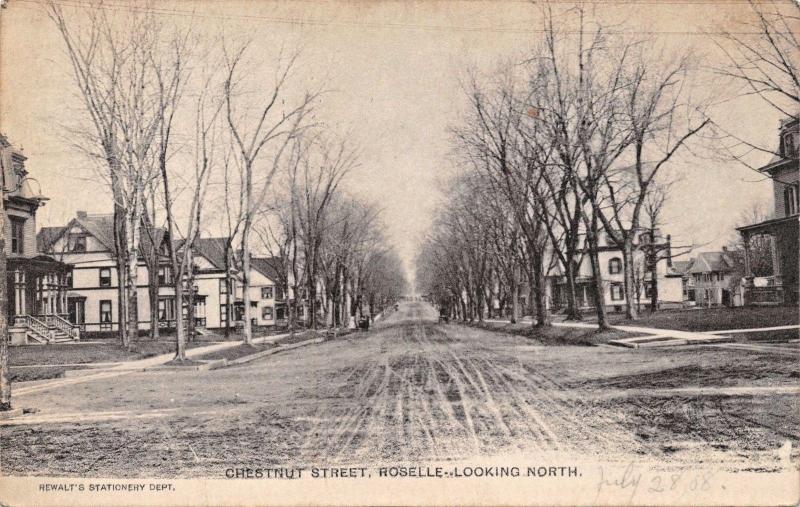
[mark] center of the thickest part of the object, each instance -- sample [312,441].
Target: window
[164,275]
[223,286]
[105,311]
[223,314]
[105,277]
[648,289]
[614,266]
[17,235]
[166,309]
[279,292]
[789,149]
[68,280]
[616,292]
[200,308]
[266,313]
[280,313]
[77,243]
[266,292]
[791,196]
[253,304]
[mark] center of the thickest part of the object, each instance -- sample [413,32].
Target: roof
[707,262]
[212,249]
[681,267]
[46,237]
[268,266]
[101,227]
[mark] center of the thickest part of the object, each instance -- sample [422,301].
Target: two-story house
[272,297]
[713,278]
[215,290]
[784,170]
[86,243]
[36,283]
[668,281]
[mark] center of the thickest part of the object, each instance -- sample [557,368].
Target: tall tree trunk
[133,302]
[630,282]
[229,287]
[152,294]
[180,333]
[539,292]
[597,276]
[134,222]
[514,301]
[311,283]
[573,311]
[122,274]
[191,324]
[248,328]
[652,265]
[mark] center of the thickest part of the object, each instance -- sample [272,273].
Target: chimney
[81,215]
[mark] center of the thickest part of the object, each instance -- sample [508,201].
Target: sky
[395,71]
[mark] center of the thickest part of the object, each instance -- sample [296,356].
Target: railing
[61,324]
[34,325]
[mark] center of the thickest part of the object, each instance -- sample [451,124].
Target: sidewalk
[657,337]
[124,368]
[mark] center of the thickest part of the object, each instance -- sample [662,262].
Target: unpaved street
[438,392]
[410,391]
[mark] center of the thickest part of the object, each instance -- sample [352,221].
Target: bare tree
[764,57]
[112,64]
[261,140]
[204,150]
[317,168]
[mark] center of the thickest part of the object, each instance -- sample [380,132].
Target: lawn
[106,351]
[236,352]
[714,319]
[60,357]
[557,335]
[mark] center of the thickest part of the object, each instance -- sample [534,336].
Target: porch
[37,300]
[782,286]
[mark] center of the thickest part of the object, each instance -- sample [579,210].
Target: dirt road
[413,390]
[436,392]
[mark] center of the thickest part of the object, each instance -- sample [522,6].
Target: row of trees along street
[575,139]
[191,131]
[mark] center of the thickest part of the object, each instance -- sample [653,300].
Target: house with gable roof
[87,244]
[713,279]
[214,289]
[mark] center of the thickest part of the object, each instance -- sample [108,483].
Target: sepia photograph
[387,252]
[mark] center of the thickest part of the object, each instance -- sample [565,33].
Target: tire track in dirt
[431,392]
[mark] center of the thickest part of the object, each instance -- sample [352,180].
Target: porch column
[23,296]
[64,294]
[19,293]
[748,272]
[776,261]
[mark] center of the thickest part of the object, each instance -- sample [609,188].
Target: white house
[87,244]
[212,286]
[668,280]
